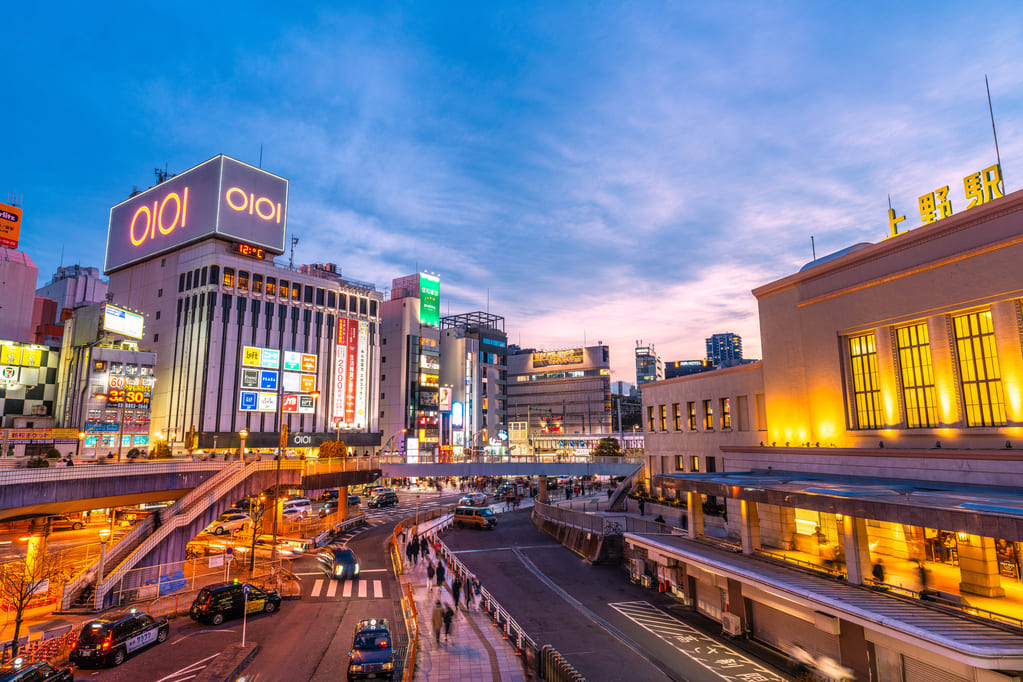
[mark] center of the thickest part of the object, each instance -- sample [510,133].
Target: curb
[225,668]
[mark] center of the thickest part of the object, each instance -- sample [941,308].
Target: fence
[553,667]
[340,464]
[64,473]
[602,524]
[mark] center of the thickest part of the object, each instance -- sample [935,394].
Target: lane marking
[317,587]
[188,668]
[362,588]
[378,588]
[373,570]
[346,592]
[332,588]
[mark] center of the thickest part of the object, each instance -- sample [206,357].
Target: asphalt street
[605,626]
[309,638]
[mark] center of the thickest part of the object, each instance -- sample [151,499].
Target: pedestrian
[642,506]
[922,571]
[467,589]
[449,616]
[437,618]
[429,574]
[609,493]
[425,547]
[415,551]
[456,589]
[878,571]
[440,573]
[70,462]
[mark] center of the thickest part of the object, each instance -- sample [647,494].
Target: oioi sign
[221,197]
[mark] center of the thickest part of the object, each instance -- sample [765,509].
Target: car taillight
[105,645]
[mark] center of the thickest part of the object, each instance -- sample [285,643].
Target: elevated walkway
[609,466]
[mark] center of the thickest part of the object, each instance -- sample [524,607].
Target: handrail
[229,478]
[78,472]
[623,489]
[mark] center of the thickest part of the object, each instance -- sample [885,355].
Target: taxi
[474,500]
[220,601]
[372,654]
[108,641]
[40,671]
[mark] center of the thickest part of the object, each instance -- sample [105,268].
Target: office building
[724,350]
[862,482]
[473,377]
[240,342]
[649,366]
[73,286]
[410,416]
[565,391]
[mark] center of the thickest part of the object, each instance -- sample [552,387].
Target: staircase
[621,493]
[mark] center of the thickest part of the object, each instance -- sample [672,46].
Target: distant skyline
[598,172]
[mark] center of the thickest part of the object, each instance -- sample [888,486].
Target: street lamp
[81,437]
[104,538]
[243,434]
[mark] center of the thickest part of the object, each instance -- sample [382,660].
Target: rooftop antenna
[488,299]
[994,132]
[61,255]
[291,260]
[260,154]
[813,248]
[161,174]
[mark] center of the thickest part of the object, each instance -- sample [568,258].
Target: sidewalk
[476,650]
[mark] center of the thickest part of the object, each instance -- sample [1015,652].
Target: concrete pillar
[1010,356]
[887,378]
[943,363]
[342,502]
[978,567]
[750,528]
[857,549]
[38,529]
[694,514]
[542,490]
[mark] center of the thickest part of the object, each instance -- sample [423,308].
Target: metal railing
[190,508]
[553,667]
[340,464]
[602,524]
[78,472]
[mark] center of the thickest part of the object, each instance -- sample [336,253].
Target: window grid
[650,418]
[726,413]
[664,417]
[691,407]
[917,376]
[708,416]
[866,389]
[978,369]
[676,413]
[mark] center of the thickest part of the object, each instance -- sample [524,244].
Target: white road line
[362,588]
[188,668]
[374,570]
[316,573]
[347,591]
[378,588]
[317,588]
[332,588]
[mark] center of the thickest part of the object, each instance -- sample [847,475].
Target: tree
[21,580]
[333,448]
[53,453]
[607,447]
[160,451]
[133,453]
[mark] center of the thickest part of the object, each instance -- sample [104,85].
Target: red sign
[353,344]
[290,403]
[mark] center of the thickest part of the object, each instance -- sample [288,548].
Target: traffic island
[227,665]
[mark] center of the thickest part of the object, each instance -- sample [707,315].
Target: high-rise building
[725,349]
[73,286]
[241,343]
[561,391]
[18,275]
[410,366]
[473,350]
[681,368]
[648,365]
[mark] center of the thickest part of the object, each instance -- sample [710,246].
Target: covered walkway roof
[990,511]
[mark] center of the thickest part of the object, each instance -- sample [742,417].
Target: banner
[340,360]
[350,370]
[362,375]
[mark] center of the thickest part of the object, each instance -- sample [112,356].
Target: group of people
[464,587]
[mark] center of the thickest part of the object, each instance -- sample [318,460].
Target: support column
[943,362]
[542,490]
[750,529]
[857,549]
[1010,361]
[887,377]
[694,514]
[978,567]
[342,502]
[38,529]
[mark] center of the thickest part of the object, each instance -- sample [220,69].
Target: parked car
[474,500]
[228,523]
[218,602]
[41,671]
[372,654]
[108,641]
[298,508]
[65,522]
[475,517]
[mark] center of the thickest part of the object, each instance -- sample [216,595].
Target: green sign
[429,299]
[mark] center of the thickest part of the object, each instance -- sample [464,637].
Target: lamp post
[104,538]
[81,437]
[243,434]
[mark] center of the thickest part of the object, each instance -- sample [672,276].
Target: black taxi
[372,655]
[108,641]
[218,602]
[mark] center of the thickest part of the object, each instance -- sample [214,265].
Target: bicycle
[613,528]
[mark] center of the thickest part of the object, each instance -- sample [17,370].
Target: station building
[857,492]
[242,344]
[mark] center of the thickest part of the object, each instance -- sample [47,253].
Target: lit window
[257,283]
[978,370]
[694,463]
[228,277]
[650,418]
[726,413]
[664,417]
[866,390]
[708,416]
[676,412]
[243,280]
[691,407]
[271,286]
[917,376]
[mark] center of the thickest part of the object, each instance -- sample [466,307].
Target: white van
[298,508]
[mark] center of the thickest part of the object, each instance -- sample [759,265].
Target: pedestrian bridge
[608,466]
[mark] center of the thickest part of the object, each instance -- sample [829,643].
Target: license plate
[85,653]
[371,676]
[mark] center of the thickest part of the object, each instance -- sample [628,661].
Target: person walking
[456,589]
[467,588]
[642,506]
[448,616]
[430,572]
[425,547]
[437,619]
[440,573]
[415,551]
[878,571]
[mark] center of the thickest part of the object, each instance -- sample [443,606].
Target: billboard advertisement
[352,348]
[121,321]
[362,375]
[445,399]
[10,225]
[220,197]
[571,356]
[429,299]
[340,371]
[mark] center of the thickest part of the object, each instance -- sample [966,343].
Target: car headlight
[356,667]
[356,569]
[338,569]
[387,666]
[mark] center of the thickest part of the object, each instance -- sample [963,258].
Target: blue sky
[606,171]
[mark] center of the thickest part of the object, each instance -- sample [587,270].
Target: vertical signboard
[352,349]
[340,363]
[10,225]
[362,375]
[429,299]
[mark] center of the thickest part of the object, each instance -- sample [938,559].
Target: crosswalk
[348,589]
